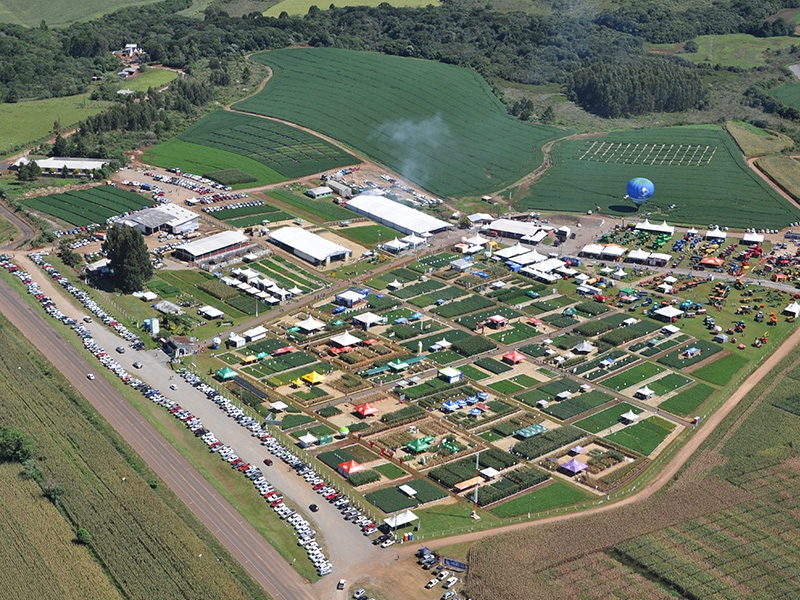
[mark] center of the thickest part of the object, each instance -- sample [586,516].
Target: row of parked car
[85,299]
[195,183]
[235,205]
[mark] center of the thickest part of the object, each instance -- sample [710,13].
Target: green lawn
[552,496]
[606,418]
[633,376]
[369,235]
[643,437]
[473,373]
[669,383]
[461,136]
[151,78]
[722,370]
[506,387]
[685,402]
[516,333]
[390,470]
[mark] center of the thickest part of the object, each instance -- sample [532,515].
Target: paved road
[260,559]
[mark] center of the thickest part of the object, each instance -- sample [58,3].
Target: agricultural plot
[572,407]
[462,307]
[473,373]
[757,142]
[514,334]
[457,471]
[783,170]
[445,293]
[422,287]
[548,391]
[506,387]
[678,359]
[633,376]
[470,321]
[391,499]
[623,335]
[606,418]
[493,366]
[368,235]
[463,140]
[550,496]
[722,370]
[451,335]
[698,162]
[92,205]
[685,402]
[643,437]
[668,384]
[547,442]
[317,210]
[287,150]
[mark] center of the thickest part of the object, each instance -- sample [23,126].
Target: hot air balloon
[640,190]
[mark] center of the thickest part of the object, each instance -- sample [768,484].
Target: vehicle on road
[341,584]
[359,592]
[121,349]
[268,462]
[137,365]
[313,508]
[89,376]
[173,387]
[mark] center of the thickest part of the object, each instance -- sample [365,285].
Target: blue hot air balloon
[640,190]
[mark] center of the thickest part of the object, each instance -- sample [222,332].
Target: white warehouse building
[395,215]
[309,246]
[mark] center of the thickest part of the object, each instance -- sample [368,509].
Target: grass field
[152,78]
[551,496]
[669,383]
[300,7]
[731,50]
[135,529]
[700,162]
[757,142]
[369,235]
[685,402]
[643,437]
[27,121]
[784,171]
[722,370]
[789,93]
[606,418]
[632,376]
[59,12]
[93,205]
[571,407]
[438,125]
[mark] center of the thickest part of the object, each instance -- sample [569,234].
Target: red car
[319,486]
[276,502]
[244,466]
[268,462]
[331,497]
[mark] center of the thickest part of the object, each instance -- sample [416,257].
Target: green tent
[262,355]
[226,373]
[420,444]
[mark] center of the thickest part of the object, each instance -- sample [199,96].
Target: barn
[214,245]
[395,215]
[309,246]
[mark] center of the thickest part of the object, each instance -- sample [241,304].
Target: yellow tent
[314,377]
[250,359]
[298,382]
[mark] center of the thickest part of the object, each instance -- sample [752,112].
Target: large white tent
[308,246]
[395,215]
[400,519]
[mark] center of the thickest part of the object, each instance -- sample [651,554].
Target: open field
[152,78]
[59,12]
[784,171]
[731,50]
[702,163]
[683,403]
[643,437]
[553,495]
[606,418]
[24,122]
[437,125]
[757,142]
[134,528]
[39,557]
[84,207]
[788,93]
[300,7]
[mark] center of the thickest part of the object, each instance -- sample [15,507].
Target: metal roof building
[395,215]
[171,217]
[214,245]
[308,246]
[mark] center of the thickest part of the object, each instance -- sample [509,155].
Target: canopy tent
[394,285]
[753,238]
[403,518]
[349,467]
[583,348]
[367,320]
[530,431]
[664,288]
[638,255]
[366,409]
[512,251]
[475,240]
[420,444]
[311,324]
[413,240]
[279,405]
[716,234]
[313,378]
[629,416]
[307,440]
[793,310]
[250,359]
[619,274]
[449,406]
[397,365]
[513,357]
[712,261]
[394,245]
[345,339]
[644,393]
[210,312]
[670,279]
[489,472]
[669,312]
[573,467]
[297,382]
[295,291]
[575,450]
[226,373]
[284,350]
[450,375]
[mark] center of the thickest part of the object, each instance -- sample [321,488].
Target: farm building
[514,229]
[344,190]
[349,298]
[235,341]
[255,334]
[480,218]
[210,312]
[214,245]
[167,217]
[450,375]
[308,246]
[178,346]
[319,192]
[55,166]
[395,215]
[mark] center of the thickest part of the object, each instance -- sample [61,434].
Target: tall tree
[129,258]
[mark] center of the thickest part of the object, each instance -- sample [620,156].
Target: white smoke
[414,143]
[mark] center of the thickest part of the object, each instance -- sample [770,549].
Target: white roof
[753,237]
[400,519]
[396,215]
[345,339]
[528,258]
[308,439]
[613,250]
[211,312]
[670,329]
[665,287]
[670,279]
[669,312]
[567,271]
[395,244]
[443,343]
[413,240]
[630,416]
[592,249]
[660,256]
[645,391]
[474,218]
[475,240]
[793,309]
[513,227]
[619,273]
[663,228]
[255,331]
[368,318]
[279,405]
[512,251]
[550,264]
[351,295]
[295,291]
[407,490]
[149,296]
[308,243]
[692,231]
[638,254]
[489,472]
[716,233]
[213,242]
[584,346]
[319,191]
[540,275]
[85,164]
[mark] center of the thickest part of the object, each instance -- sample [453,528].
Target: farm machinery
[762,341]
[773,319]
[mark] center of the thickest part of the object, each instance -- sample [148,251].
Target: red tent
[366,409]
[350,467]
[513,357]
[284,350]
[712,261]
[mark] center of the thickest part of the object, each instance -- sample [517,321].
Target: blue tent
[461,403]
[483,395]
[449,406]
[475,412]
[471,399]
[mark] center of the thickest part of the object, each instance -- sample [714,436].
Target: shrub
[364,477]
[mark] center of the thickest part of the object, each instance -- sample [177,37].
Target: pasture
[698,169]
[59,12]
[24,122]
[437,125]
[757,142]
[784,171]
[151,78]
[92,205]
[300,7]
[788,93]
[731,50]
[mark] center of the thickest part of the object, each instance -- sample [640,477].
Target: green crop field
[438,125]
[669,383]
[683,403]
[27,121]
[788,93]
[633,376]
[722,370]
[606,418]
[571,407]
[93,205]
[643,437]
[300,7]
[551,496]
[698,169]
[59,12]
[286,152]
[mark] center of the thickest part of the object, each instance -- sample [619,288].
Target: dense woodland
[578,52]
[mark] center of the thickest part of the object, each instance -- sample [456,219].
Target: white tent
[613,251]
[716,234]
[753,238]
[592,249]
[629,416]
[295,291]
[279,405]
[311,324]
[583,348]
[413,240]
[512,251]
[665,288]
[210,312]
[792,310]
[619,274]
[307,440]
[638,255]
[345,339]
[645,393]
[367,319]
[475,240]
[669,312]
[394,285]
[394,245]
[400,519]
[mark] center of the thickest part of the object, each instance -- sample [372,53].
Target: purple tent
[573,467]
[576,450]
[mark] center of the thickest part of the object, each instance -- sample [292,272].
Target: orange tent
[366,409]
[712,261]
[350,467]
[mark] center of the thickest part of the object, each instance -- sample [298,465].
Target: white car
[173,387]
[90,376]
[431,583]
[450,582]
